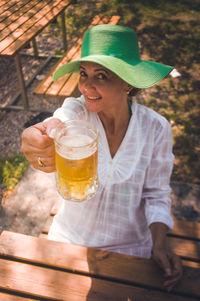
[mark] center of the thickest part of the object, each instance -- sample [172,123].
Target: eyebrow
[98,69]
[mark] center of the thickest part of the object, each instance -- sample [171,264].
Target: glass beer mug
[76,160]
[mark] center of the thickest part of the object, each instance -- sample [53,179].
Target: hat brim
[139,74]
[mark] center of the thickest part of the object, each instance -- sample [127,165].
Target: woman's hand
[38,147]
[169,262]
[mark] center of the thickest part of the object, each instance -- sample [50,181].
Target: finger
[41,141]
[34,152]
[164,263]
[40,127]
[42,160]
[48,153]
[176,272]
[176,264]
[35,136]
[44,164]
[170,283]
[50,125]
[46,169]
[174,277]
[50,161]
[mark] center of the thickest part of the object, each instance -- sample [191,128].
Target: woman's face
[102,89]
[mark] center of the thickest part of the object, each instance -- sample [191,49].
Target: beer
[76,165]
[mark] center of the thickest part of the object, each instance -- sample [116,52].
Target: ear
[128,88]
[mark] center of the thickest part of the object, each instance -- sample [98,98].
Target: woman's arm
[156,193]
[169,262]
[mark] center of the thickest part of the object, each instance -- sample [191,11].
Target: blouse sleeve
[156,192]
[72,108]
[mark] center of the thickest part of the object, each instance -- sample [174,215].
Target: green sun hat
[116,48]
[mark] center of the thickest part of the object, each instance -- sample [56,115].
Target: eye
[83,74]
[101,76]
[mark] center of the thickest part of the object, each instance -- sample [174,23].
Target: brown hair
[134,91]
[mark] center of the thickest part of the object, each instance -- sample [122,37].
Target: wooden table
[35,268]
[20,22]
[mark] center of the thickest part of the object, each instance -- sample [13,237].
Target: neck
[115,126]
[116,120]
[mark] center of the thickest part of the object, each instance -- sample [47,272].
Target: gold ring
[40,163]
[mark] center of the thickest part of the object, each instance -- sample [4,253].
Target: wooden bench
[66,85]
[184,240]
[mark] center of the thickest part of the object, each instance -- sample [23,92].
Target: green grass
[12,169]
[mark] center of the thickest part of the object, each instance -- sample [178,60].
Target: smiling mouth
[93,97]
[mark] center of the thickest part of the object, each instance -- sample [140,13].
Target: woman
[130,212]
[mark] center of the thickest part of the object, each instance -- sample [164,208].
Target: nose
[89,88]
[89,84]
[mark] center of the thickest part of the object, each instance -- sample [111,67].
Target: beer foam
[76,141]
[68,142]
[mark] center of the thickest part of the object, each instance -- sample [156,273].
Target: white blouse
[133,189]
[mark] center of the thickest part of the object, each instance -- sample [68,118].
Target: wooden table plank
[59,285]
[40,9]
[23,14]
[50,284]
[102,264]
[33,26]
[9,297]
[7,7]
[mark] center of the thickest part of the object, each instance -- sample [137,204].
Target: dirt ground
[27,208]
